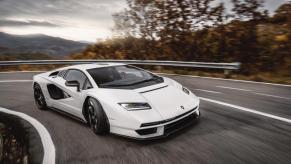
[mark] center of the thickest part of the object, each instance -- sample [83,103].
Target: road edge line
[248,110]
[47,143]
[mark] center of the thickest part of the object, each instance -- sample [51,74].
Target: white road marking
[239,89]
[248,110]
[14,81]
[203,90]
[216,78]
[48,145]
[262,94]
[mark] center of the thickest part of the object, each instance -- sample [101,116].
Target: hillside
[38,43]
[24,56]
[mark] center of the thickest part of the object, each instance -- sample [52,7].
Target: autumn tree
[200,30]
[250,13]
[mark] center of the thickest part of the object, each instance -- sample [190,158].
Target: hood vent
[154,89]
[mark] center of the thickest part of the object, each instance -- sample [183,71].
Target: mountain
[38,43]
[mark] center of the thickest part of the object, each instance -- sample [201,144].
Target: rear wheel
[39,97]
[97,118]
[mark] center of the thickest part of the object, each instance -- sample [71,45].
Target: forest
[201,30]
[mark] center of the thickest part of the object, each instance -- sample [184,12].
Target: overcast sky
[85,20]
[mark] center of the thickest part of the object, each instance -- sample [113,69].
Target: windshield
[123,77]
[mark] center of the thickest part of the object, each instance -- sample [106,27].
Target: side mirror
[73,83]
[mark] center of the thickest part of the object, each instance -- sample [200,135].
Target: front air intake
[146,131]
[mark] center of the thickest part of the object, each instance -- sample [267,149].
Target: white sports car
[118,98]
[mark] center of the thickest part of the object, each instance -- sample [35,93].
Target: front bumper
[162,128]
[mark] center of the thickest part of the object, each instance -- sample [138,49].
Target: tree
[200,31]
[250,13]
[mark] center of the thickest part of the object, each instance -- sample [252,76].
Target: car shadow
[144,142]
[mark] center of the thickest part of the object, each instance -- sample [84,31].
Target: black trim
[167,120]
[54,73]
[147,131]
[67,114]
[154,89]
[180,124]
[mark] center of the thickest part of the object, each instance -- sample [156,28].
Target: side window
[87,85]
[80,77]
[62,73]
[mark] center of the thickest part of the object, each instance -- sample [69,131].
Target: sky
[80,20]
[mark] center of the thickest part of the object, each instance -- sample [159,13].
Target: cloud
[70,9]
[18,23]
[83,18]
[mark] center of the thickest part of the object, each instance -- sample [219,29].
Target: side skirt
[68,114]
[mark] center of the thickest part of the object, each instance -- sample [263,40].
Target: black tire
[97,118]
[39,97]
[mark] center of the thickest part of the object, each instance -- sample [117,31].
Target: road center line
[14,81]
[234,88]
[247,110]
[262,94]
[48,145]
[203,90]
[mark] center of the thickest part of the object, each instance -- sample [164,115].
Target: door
[74,103]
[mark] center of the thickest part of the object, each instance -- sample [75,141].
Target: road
[226,133]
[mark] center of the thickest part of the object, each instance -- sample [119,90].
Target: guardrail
[225,66]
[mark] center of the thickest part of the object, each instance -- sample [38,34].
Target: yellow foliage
[281,38]
[119,55]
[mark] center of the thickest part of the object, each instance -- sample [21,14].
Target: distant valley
[45,46]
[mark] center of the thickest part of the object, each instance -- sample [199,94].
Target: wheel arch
[85,112]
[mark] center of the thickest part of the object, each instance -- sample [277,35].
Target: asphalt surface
[224,135]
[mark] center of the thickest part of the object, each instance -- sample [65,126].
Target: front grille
[168,120]
[175,126]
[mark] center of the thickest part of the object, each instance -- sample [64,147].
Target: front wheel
[97,118]
[39,97]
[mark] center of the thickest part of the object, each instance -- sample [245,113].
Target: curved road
[241,123]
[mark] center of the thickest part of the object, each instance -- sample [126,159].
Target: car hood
[170,101]
[167,100]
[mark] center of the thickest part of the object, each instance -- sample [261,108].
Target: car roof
[84,67]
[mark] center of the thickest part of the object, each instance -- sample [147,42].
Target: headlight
[135,106]
[186,90]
